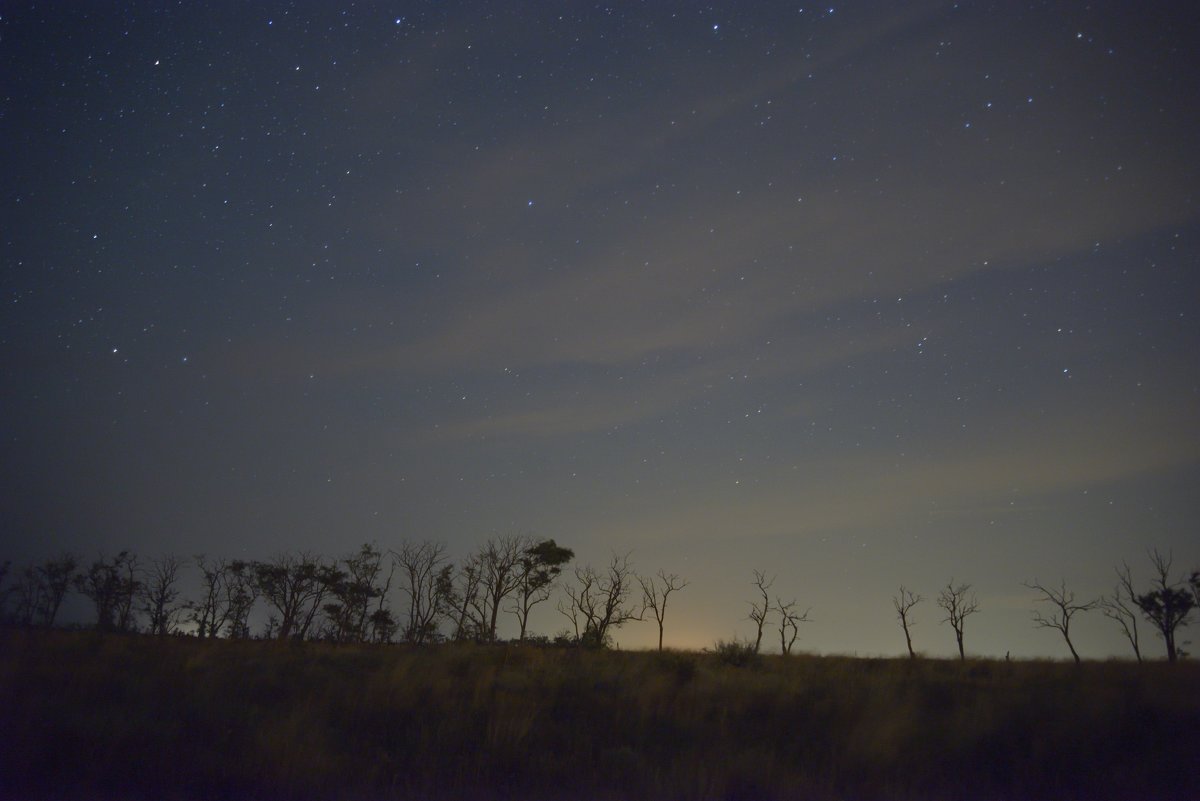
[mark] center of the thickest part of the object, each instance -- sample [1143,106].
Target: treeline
[416,594]
[413,594]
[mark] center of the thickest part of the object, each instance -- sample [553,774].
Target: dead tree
[599,601]
[241,593]
[210,612]
[958,608]
[1065,607]
[1122,607]
[460,593]
[160,595]
[294,585]
[112,586]
[789,624]
[420,567]
[499,562]
[759,612]
[904,602]
[655,591]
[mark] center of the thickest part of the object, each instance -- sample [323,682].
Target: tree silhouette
[539,566]
[294,585]
[210,612]
[598,601]
[655,591]
[113,587]
[759,612]
[904,602]
[460,593]
[499,565]
[1122,607]
[420,566]
[240,594]
[1065,607]
[160,595]
[1168,605]
[789,624]
[348,614]
[958,608]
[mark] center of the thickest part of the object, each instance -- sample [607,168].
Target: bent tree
[759,612]
[1065,607]
[1122,607]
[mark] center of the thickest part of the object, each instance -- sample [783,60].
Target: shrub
[735,653]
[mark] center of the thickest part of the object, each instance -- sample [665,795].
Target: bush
[735,653]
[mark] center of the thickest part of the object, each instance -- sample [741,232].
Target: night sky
[859,295]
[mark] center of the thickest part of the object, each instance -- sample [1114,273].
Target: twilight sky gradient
[859,295]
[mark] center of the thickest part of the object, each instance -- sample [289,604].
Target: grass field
[86,715]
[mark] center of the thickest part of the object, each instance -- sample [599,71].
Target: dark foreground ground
[91,716]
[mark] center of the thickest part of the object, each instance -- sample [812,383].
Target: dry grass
[84,715]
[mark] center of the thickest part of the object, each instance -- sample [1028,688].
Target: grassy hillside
[84,715]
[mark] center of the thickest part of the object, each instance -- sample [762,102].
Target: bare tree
[30,594]
[569,606]
[1065,607]
[538,568]
[160,595]
[789,624]
[460,592]
[1168,605]
[1122,607]
[239,593]
[759,612]
[383,623]
[655,591]
[958,608]
[112,586]
[420,567]
[599,601]
[210,612]
[294,585]
[904,603]
[499,563]
[41,588]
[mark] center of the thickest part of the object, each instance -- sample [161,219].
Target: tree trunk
[1072,647]
[492,626]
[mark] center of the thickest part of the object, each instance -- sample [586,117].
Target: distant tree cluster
[413,594]
[1166,605]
